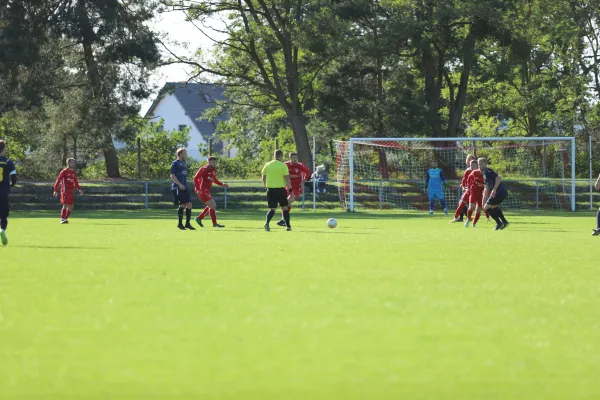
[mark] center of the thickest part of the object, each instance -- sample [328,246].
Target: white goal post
[384,172]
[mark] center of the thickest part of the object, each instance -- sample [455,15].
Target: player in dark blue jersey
[494,193]
[180,190]
[9,178]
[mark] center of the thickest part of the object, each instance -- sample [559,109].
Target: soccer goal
[389,173]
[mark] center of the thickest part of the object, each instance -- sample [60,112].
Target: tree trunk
[461,97]
[298,121]
[112,162]
[531,117]
[432,92]
[87,38]
[383,165]
[65,148]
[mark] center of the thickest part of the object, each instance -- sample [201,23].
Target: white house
[182,106]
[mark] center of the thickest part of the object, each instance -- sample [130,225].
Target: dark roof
[196,99]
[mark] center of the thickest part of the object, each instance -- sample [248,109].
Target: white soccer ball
[332,223]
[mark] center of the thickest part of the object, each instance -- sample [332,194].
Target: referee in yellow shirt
[275,177]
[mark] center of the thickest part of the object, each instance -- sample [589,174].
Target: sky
[173,24]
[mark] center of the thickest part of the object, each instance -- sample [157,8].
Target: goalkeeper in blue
[435,183]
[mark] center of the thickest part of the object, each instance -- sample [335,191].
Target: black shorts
[181,197]
[499,198]
[277,196]
[4,206]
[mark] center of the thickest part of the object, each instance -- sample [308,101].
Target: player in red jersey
[298,174]
[476,185]
[67,180]
[203,181]
[464,200]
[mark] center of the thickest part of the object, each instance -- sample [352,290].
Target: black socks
[286,217]
[270,216]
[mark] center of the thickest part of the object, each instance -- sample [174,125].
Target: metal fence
[541,194]
[155,195]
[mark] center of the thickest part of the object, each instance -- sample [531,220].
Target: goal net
[390,173]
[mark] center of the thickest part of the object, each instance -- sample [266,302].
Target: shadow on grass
[95,224]
[63,247]
[299,230]
[538,230]
[245,214]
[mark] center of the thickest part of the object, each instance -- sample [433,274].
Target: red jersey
[464,183]
[205,177]
[67,179]
[475,182]
[298,172]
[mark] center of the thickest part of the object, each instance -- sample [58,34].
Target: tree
[370,89]
[534,85]
[30,62]
[273,52]
[103,46]
[117,49]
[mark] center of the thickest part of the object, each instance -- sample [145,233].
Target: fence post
[314,154]
[591,176]
[225,200]
[537,194]
[146,189]
[544,169]
[139,158]
[381,195]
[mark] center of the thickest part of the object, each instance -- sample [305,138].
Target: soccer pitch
[121,305]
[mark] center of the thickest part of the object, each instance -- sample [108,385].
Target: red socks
[204,213]
[65,213]
[213,214]
[477,215]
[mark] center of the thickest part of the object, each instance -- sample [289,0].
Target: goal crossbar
[570,139]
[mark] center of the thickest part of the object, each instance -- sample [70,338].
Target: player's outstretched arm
[197,180]
[306,173]
[443,178]
[496,184]
[485,195]
[179,184]
[12,173]
[264,179]
[464,183]
[427,180]
[57,183]
[218,182]
[77,186]
[597,185]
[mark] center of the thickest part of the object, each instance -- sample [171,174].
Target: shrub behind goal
[389,173]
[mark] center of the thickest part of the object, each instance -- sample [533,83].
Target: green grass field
[387,306]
